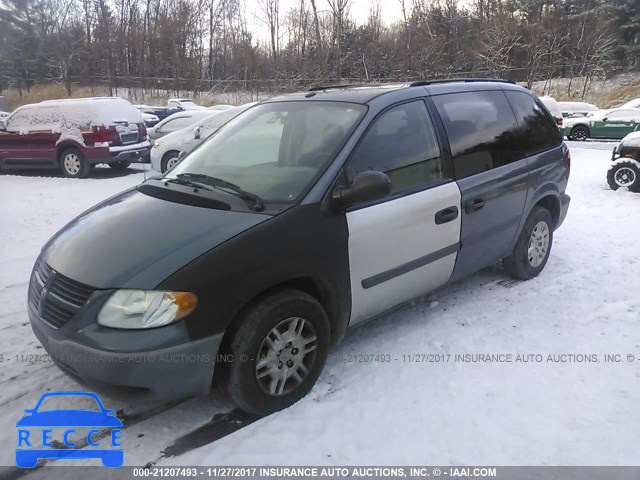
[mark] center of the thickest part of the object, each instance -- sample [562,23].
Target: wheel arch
[547,197]
[165,158]
[65,145]
[314,286]
[166,154]
[552,203]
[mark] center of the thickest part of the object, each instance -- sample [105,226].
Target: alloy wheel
[538,244]
[286,356]
[579,134]
[72,163]
[172,162]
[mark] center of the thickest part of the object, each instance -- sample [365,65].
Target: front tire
[533,247]
[73,163]
[624,174]
[169,160]
[579,133]
[278,351]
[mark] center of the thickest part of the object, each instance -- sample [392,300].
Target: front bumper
[564,208]
[625,151]
[162,374]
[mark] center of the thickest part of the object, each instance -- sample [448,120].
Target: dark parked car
[74,135]
[305,215]
[161,112]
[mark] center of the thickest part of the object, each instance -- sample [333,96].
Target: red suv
[74,135]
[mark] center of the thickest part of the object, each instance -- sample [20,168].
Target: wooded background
[202,45]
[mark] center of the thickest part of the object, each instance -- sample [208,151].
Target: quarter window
[536,130]
[480,127]
[401,143]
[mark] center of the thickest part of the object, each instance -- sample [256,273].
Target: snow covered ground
[563,412]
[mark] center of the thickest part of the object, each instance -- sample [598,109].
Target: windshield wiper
[188,183]
[258,204]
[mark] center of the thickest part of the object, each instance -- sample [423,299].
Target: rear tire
[278,350]
[579,133]
[120,165]
[169,160]
[624,174]
[73,163]
[533,247]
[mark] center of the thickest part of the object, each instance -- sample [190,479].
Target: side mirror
[366,187]
[2,126]
[605,119]
[181,155]
[196,133]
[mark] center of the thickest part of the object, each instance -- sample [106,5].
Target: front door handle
[446,215]
[473,205]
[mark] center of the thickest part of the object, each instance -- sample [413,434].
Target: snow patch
[623,160]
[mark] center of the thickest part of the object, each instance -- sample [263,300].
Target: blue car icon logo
[36,430]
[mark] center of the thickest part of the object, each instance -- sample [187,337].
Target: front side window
[480,127]
[19,121]
[177,124]
[275,150]
[401,143]
[536,131]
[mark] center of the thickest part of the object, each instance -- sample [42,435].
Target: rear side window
[401,143]
[537,131]
[481,129]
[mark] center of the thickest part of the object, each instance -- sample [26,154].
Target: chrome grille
[54,297]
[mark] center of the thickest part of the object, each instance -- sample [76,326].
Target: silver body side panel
[387,236]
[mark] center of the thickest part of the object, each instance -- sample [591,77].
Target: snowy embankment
[572,408]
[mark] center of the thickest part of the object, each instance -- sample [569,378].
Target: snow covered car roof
[103,111]
[551,105]
[635,103]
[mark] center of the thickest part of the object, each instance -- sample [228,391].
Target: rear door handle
[473,205]
[446,215]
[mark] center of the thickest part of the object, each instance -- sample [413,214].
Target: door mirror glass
[366,187]
[2,127]
[196,133]
[181,155]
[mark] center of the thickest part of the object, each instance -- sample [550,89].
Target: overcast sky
[359,9]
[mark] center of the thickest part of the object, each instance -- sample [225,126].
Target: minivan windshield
[274,150]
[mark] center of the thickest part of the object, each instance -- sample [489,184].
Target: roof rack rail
[448,80]
[347,85]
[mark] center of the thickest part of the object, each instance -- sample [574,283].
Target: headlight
[145,308]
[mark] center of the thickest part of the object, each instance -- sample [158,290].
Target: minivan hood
[133,240]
